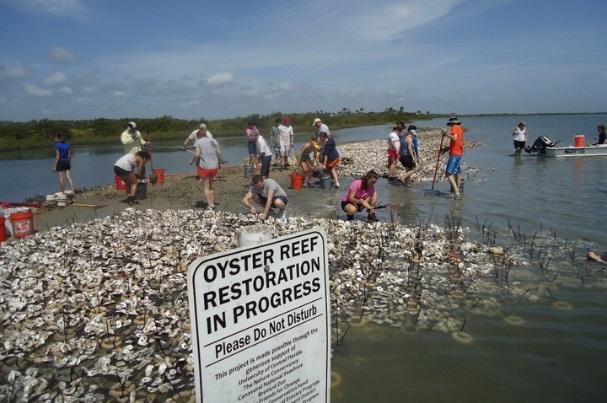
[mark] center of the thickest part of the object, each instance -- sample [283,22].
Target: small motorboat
[546,147]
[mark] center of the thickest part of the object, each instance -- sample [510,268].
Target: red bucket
[159,173]
[296,181]
[119,183]
[23,223]
[2,228]
[579,140]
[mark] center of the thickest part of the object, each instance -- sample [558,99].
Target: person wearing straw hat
[131,139]
[321,128]
[519,136]
[456,150]
[202,131]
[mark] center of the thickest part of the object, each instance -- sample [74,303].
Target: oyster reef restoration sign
[261,321]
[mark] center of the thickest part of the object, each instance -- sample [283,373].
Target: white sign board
[261,320]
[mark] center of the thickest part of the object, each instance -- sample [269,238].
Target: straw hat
[453,121]
[317,120]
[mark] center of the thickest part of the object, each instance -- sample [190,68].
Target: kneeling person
[268,194]
[361,195]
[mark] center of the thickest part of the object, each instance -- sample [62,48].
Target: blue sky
[72,59]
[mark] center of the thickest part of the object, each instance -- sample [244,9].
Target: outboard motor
[539,145]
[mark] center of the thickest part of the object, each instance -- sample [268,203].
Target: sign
[261,320]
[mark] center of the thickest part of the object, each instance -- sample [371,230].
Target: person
[274,136]
[456,150]
[268,194]
[330,156]
[131,167]
[519,135]
[602,137]
[63,162]
[251,133]
[131,139]
[393,151]
[308,159]
[196,134]
[361,195]
[413,130]
[263,155]
[285,140]
[408,157]
[207,154]
[321,128]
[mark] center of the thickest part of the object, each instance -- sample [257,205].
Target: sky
[195,59]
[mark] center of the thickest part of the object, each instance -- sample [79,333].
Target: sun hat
[453,121]
[132,125]
[317,120]
[203,126]
[521,123]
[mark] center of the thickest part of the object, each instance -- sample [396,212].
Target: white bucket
[254,234]
[51,197]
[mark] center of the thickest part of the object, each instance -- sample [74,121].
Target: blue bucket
[325,181]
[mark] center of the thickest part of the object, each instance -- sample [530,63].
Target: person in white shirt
[285,140]
[131,139]
[519,135]
[196,134]
[321,128]
[263,155]
[393,152]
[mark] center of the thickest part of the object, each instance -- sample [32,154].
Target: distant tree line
[38,133]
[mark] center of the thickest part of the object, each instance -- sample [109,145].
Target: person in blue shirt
[63,162]
[329,156]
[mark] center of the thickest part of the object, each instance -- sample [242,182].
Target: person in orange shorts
[207,155]
[330,156]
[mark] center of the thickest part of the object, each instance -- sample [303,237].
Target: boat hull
[589,151]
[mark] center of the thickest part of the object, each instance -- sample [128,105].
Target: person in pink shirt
[361,195]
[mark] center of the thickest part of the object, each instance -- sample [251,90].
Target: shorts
[284,199]
[359,207]
[206,173]
[407,161]
[519,145]
[252,146]
[332,164]
[121,172]
[284,150]
[63,166]
[453,165]
[266,161]
[392,156]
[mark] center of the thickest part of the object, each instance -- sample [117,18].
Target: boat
[543,146]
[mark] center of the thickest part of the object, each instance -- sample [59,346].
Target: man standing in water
[207,155]
[456,150]
[519,135]
[131,139]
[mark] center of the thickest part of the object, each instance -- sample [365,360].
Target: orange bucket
[296,181]
[2,229]
[579,140]
[119,183]
[23,223]
[159,173]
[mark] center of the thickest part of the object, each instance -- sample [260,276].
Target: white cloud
[55,78]
[34,90]
[8,70]
[119,94]
[61,55]
[66,90]
[220,79]
[60,8]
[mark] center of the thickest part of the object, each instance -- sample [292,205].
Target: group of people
[519,137]
[403,147]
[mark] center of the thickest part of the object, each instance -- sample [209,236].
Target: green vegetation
[38,133]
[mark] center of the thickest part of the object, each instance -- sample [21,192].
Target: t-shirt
[262,147]
[269,185]
[64,150]
[356,189]
[132,141]
[519,134]
[404,148]
[393,141]
[284,134]
[456,147]
[194,135]
[251,133]
[602,138]
[208,153]
[127,162]
[330,150]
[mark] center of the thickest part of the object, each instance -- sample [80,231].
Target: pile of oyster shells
[100,308]
[360,157]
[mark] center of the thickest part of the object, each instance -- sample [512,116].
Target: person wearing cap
[207,155]
[131,139]
[456,150]
[321,128]
[519,136]
[196,134]
[285,140]
[329,156]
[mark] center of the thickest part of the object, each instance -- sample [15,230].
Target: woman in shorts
[63,162]
[361,195]
[131,167]
[308,159]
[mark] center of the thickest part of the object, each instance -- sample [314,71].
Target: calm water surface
[555,356]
